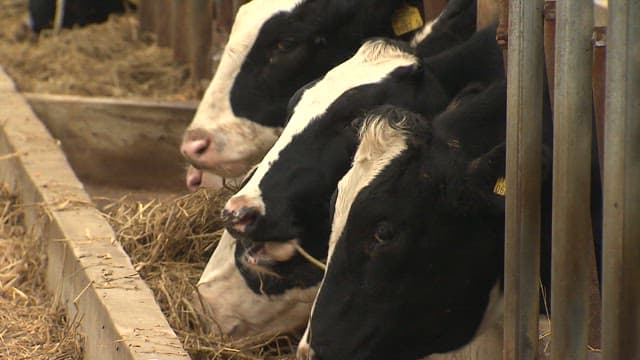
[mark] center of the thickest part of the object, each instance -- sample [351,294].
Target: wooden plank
[433,8]
[201,28]
[146,15]
[86,271]
[162,21]
[180,31]
[121,142]
[224,15]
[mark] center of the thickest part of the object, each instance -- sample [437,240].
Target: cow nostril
[239,221]
[193,148]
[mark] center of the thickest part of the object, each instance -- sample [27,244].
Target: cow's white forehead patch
[379,145]
[374,61]
[237,137]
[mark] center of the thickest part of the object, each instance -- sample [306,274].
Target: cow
[416,252]
[416,248]
[76,12]
[274,48]
[382,71]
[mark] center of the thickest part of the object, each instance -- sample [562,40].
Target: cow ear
[486,175]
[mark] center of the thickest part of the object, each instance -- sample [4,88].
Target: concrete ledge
[88,273]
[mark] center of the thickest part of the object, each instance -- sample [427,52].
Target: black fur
[297,188]
[294,48]
[426,285]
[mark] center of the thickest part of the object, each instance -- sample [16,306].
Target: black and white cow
[76,12]
[287,199]
[418,235]
[317,146]
[416,251]
[274,48]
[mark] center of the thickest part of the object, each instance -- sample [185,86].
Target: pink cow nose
[240,215]
[195,144]
[194,178]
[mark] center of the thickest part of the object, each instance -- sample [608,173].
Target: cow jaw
[236,309]
[269,253]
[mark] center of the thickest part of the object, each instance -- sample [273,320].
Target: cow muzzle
[241,214]
[205,151]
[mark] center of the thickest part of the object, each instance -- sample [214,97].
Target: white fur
[370,158]
[372,63]
[424,32]
[236,309]
[237,138]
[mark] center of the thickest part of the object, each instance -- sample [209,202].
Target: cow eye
[383,233]
[285,45]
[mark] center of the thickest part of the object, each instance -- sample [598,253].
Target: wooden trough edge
[121,142]
[87,271]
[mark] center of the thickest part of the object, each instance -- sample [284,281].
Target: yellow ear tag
[406,19]
[500,188]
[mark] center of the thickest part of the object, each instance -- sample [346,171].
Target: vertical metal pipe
[621,260]
[524,139]
[550,42]
[571,224]
[599,80]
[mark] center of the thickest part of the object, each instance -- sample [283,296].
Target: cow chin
[226,302]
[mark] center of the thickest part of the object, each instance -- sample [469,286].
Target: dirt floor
[32,325]
[110,59]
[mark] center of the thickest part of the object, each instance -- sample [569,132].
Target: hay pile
[109,59]
[169,244]
[32,326]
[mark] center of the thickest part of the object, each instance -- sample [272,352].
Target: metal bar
[621,260]
[550,42]
[571,224]
[524,138]
[599,80]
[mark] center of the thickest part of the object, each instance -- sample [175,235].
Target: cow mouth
[270,253]
[232,168]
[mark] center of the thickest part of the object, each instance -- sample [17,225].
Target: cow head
[271,266]
[274,48]
[287,198]
[417,236]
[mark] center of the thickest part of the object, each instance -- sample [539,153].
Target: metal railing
[576,77]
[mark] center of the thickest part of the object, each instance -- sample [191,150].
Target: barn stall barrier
[523,177]
[192,27]
[89,274]
[621,267]
[573,269]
